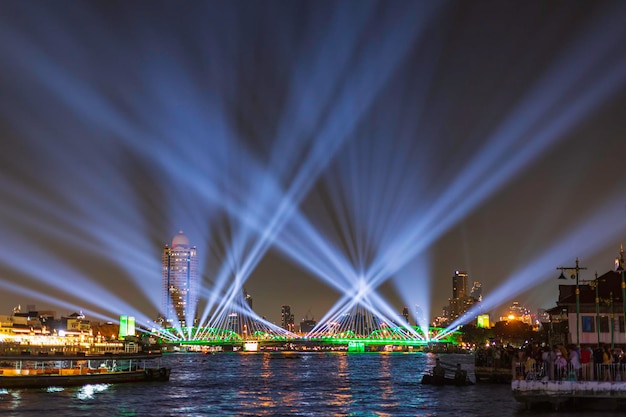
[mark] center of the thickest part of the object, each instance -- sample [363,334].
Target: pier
[604,385]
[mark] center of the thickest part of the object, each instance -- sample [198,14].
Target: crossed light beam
[542,119]
[353,95]
[322,118]
[326,143]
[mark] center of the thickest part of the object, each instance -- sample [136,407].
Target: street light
[596,285]
[619,264]
[612,321]
[575,276]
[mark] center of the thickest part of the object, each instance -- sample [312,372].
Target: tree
[514,332]
[476,335]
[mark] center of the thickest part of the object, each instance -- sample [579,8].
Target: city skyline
[309,151]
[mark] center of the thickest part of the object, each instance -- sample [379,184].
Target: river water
[295,384]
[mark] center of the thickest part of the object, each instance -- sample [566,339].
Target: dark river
[297,384]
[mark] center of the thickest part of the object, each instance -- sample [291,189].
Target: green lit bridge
[390,338]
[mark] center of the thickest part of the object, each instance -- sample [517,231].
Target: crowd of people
[558,362]
[496,356]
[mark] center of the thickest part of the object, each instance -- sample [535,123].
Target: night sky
[291,140]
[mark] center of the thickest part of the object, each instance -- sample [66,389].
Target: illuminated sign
[123,326]
[127,326]
[483,321]
[251,346]
[356,346]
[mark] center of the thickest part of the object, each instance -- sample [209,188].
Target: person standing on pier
[607,360]
[586,359]
[560,365]
[574,361]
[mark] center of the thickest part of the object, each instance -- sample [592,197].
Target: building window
[588,324]
[604,324]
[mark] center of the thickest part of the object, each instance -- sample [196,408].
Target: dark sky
[414,137]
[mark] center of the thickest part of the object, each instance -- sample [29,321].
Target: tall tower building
[287,319]
[405,314]
[462,300]
[459,285]
[180,282]
[248,298]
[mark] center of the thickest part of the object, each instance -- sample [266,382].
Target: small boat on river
[39,371]
[429,379]
[437,376]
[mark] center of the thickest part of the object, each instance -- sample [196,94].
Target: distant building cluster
[462,299]
[518,312]
[33,323]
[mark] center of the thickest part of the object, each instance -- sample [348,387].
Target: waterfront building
[76,324]
[601,318]
[287,319]
[180,282]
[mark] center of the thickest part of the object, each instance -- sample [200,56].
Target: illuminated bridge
[391,337]
[238,327]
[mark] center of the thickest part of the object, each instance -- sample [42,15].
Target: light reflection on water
[317,384]
[87,392]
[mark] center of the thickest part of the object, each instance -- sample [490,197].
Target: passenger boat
[39,371]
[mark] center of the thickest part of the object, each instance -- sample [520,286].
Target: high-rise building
[405,314]
[306,325]
[287,319]
[461,300]
[248,298]
[477,291]
[180,282]
[459,284]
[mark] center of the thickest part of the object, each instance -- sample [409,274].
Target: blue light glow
[326,135]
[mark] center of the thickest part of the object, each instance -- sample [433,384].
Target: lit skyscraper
[462,300]
[459,285]
[287,319]
[180,282]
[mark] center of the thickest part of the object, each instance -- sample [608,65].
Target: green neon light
[123,327]
[396,336]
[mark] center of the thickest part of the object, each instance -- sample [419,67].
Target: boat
[429,379]
[492,374]
[42,371]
